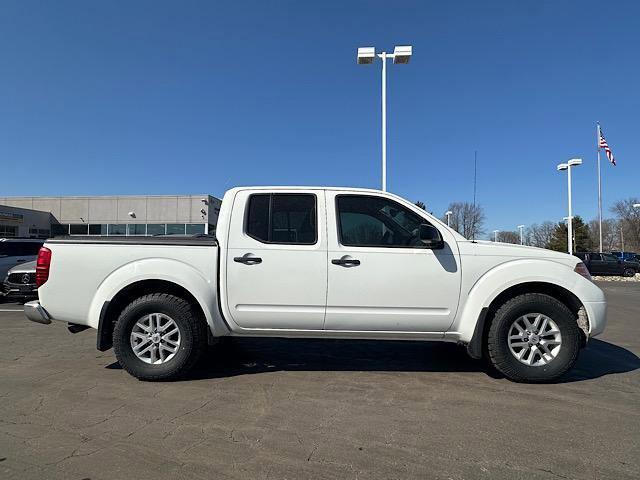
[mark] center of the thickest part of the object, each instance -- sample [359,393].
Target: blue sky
[131,97]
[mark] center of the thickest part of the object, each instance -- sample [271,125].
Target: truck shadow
[246,356]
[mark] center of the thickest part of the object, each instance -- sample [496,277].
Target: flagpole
[599,188]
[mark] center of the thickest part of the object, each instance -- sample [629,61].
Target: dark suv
[608,264]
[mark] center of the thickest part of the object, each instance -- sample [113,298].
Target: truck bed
[88,271]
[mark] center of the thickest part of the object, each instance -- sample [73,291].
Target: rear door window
[282,218]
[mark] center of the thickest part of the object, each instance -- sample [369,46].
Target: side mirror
[430,237]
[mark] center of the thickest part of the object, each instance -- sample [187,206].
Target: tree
[421,205]
[508,237]
[610,234]
[540,235]
[467,219]
[629,219]
[581,237]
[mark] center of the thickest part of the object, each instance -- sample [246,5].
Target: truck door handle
[346,262]
[247,260]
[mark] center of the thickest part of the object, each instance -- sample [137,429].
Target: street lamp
[574,162]
[366,56]
[495,235]
[520,227]
[448,213]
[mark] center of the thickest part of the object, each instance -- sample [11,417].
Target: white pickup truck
[320,263]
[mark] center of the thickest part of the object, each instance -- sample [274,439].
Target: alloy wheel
[534,339]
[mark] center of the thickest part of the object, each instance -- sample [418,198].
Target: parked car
[14,251]
[320,263]
[608,264]
[20,283]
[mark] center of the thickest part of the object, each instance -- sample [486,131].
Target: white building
[110,215]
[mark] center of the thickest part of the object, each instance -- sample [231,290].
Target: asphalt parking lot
[317,409]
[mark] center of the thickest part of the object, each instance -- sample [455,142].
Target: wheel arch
[477,345]
[111,309]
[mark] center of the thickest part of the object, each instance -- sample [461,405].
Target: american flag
[605,146]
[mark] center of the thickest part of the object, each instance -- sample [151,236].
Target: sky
[192,97]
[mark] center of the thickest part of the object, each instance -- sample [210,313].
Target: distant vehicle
[608,264]
[320,262]
[20,283]
[629,256]
[14,251]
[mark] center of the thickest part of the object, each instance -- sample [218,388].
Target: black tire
[629,272]
[497,341]
[193,336]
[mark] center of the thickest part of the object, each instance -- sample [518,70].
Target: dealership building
[42,217]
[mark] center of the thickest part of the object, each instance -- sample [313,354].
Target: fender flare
[469,324]
[169,270]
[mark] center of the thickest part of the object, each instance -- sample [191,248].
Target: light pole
[448,213]
[574,162]
[520,227]
[495,235]
[400,55]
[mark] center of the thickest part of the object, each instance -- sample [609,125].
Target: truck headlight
[582,269]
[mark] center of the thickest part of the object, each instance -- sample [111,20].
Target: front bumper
[15,290]
[597,316]
[36,313]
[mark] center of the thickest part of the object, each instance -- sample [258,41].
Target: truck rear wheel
[533,338]
[159,337]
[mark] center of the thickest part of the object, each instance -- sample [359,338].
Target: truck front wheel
[159,336]
[533,338]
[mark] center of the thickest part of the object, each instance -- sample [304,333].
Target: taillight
[42,266]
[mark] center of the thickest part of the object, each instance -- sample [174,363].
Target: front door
[613,265]
[381,278]
[277,260]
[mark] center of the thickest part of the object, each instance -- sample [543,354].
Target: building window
[8,231]
[156,228]
[137,229]
[117,229]
[175,228]
[78,229]
[59,229]
[97,229]
[39,233]
[195,228]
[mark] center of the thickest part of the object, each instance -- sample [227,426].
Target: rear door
[596,265]
[612,264]
[277,260]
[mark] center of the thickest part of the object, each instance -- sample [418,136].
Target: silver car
[20,283]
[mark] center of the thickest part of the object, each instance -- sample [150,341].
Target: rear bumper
[36,313]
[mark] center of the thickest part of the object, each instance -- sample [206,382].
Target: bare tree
[467,219]
[540,235]
[508,237]
[611,239]
[629,219]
